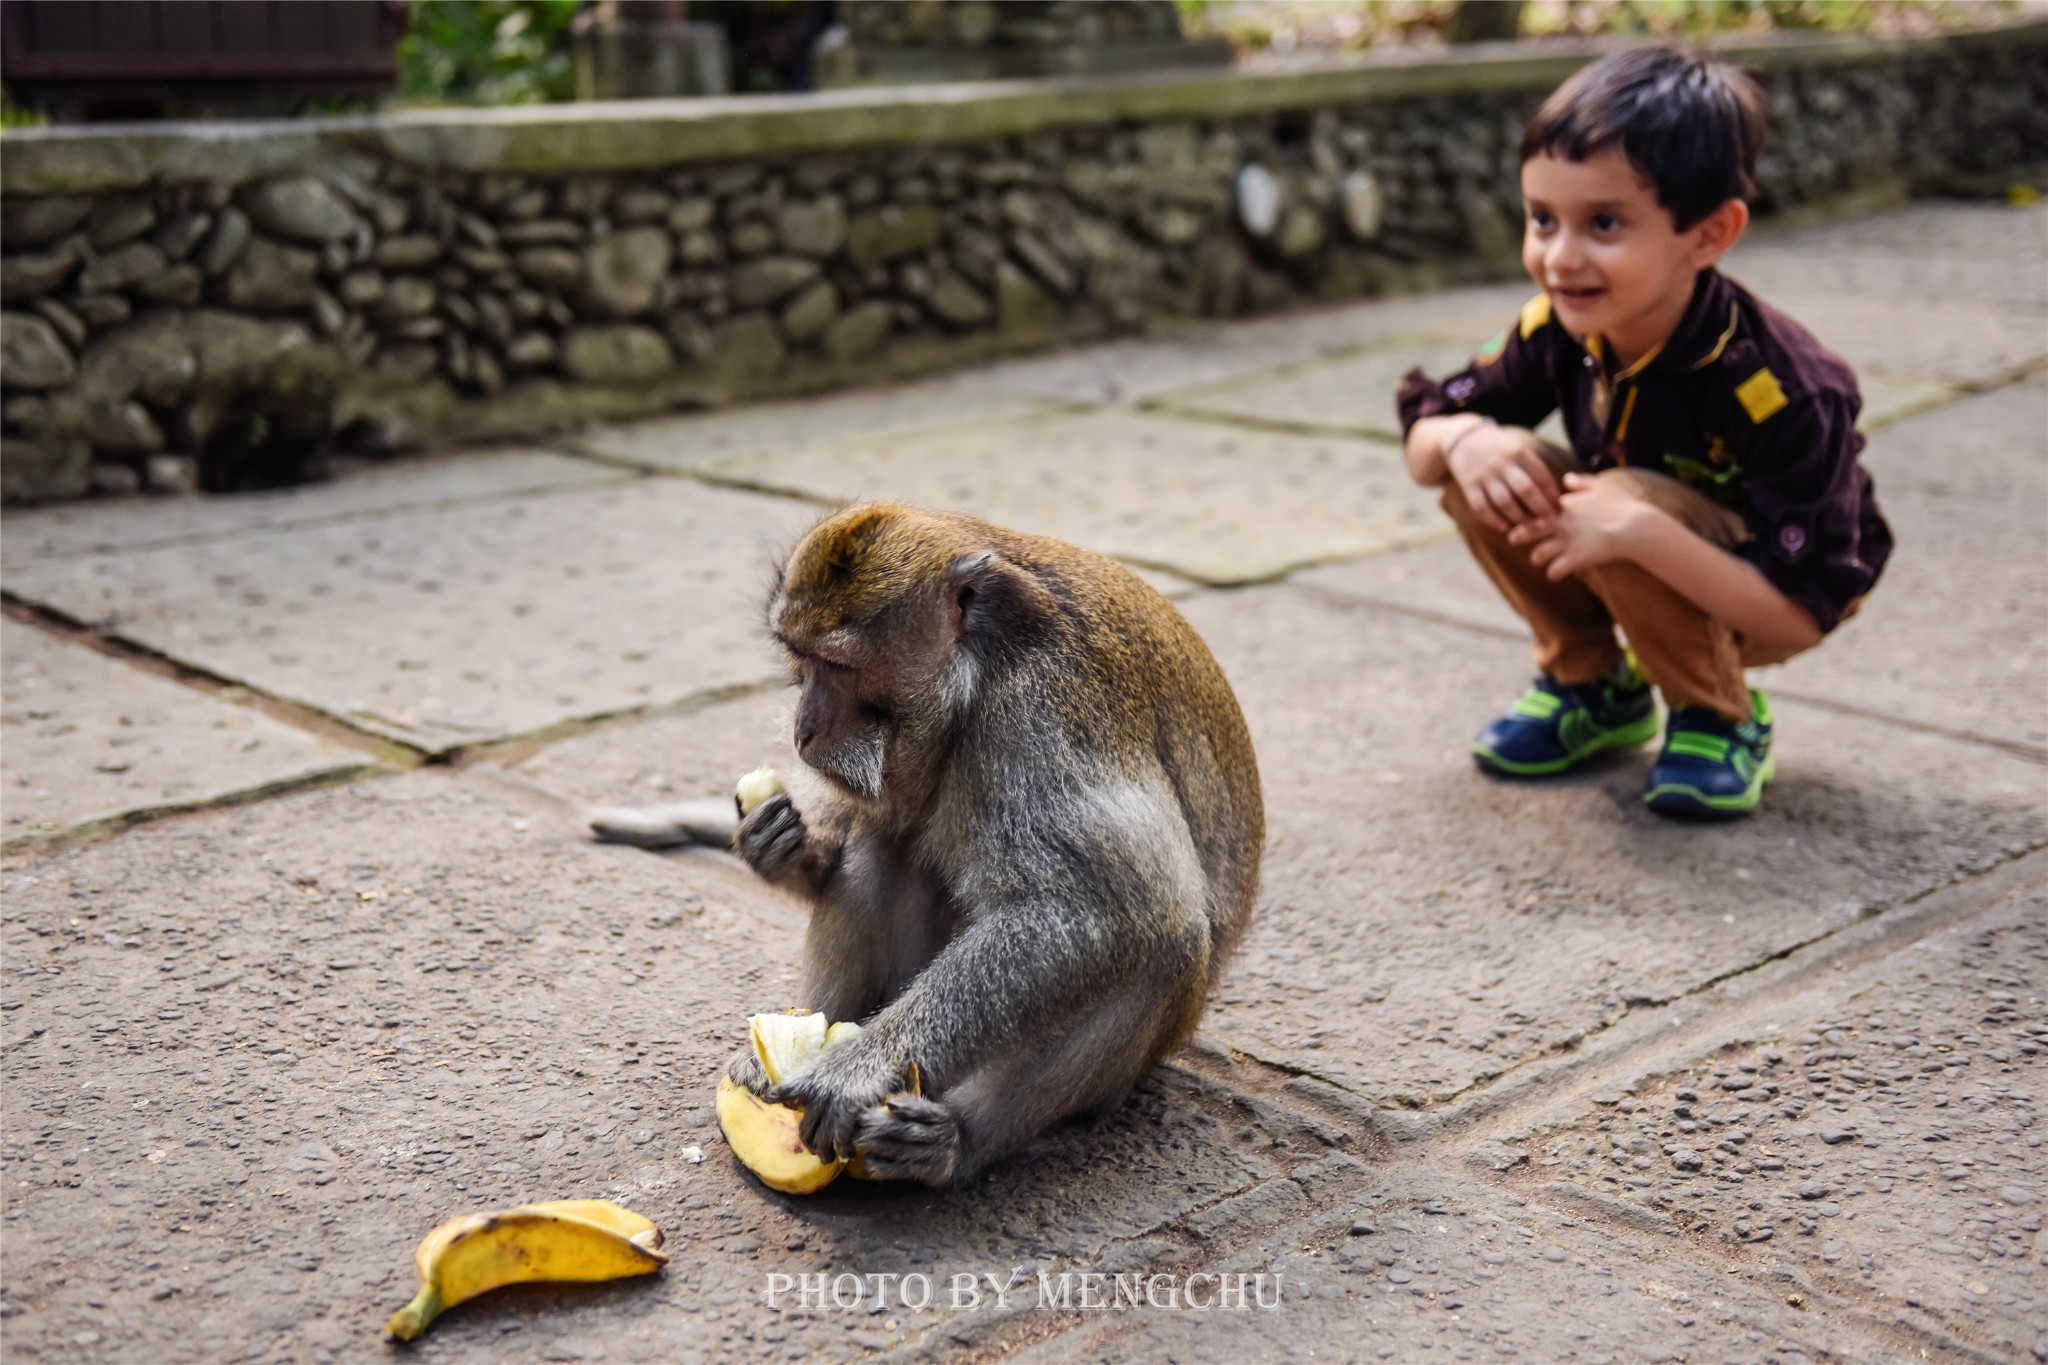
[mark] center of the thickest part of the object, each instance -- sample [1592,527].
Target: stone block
[432,652]
[615,355]
[90,740]
[1239,505]
[811,312]
[300,207]
[813,227]
[1485,922]
[771,279]
[32,355]
[884,234]
[271,277]
[744,436]
[624,271]
[857,333]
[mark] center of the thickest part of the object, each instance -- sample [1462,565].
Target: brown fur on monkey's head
[858,564]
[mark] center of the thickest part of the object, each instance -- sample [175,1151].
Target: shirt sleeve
[1508,380]
[1806,495]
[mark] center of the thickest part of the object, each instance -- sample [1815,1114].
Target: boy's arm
[1600,523]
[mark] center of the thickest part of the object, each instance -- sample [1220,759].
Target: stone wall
[224,303]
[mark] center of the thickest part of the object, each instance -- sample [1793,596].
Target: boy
[1711,503]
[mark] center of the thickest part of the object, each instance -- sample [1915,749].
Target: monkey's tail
[710,822]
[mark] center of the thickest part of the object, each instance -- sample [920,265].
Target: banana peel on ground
[564,1239]
[765,1136]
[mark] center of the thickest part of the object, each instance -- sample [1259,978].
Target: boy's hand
[1597,522]
[1503,475]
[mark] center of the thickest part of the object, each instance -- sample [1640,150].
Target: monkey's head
[894,620]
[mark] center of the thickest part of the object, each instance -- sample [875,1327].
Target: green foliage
[487,52]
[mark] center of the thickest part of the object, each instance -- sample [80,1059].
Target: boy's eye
[1538,218]
[1605,222]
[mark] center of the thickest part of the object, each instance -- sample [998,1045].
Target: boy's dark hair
[1690,127]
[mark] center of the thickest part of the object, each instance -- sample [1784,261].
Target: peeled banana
[765,1136]
[565,1239]
[756,787]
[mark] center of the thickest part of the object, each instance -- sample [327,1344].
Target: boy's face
[1604,249]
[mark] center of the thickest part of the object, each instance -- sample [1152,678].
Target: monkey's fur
[1042,837]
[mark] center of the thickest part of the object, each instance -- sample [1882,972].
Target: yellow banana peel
[565,1239]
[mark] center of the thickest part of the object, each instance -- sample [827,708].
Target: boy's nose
[1562,254]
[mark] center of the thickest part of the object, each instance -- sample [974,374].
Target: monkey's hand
[837,1089]
[745,1070]
[771,839]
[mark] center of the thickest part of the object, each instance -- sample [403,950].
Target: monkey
[1036,844]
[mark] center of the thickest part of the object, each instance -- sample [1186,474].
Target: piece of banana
[564,1239]
[756,787]
[765,1137]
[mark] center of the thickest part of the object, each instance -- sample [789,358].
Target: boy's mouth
[1578,298]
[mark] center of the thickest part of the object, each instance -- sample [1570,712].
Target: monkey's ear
[988,595]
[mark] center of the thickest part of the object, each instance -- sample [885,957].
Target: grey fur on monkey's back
[1175,705]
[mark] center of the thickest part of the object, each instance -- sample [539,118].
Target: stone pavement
[305,949]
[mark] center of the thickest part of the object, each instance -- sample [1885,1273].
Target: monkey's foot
[910,1138]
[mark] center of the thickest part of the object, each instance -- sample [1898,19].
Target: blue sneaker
[1713,768]
[1555,726]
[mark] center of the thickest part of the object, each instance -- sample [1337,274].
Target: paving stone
[90,739]
[1960,343]
[447,626]
[1964,489]
[1213,503]
[1150,367]
[360,488]
[1457,1270]
[1896,1153]
[1355,393]
[702,441]
[351,1014]
[1422,927]
[1950,252]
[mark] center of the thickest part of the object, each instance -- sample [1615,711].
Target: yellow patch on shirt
[1760,396]
[1535,313]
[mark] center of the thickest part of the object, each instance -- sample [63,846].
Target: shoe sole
[1635,732]
[1675,798]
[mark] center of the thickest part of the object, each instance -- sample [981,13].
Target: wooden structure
[138,58]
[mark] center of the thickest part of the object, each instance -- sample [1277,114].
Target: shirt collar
[1700,337]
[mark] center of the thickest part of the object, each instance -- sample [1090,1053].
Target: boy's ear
[1714,234]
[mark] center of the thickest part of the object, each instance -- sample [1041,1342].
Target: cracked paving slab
[1963,489]
[252,1056]
[1882,1141]
[360,488]
[1429,1265]
[86,740]
[701,440]
[1213,503]
[1422,927]
[1141,368]
[1980,253]
[457,625]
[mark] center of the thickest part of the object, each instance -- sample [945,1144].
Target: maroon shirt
[1740,402]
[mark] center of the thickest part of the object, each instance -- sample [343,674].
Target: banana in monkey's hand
[565,1239]
[756,787]
[765,1136]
